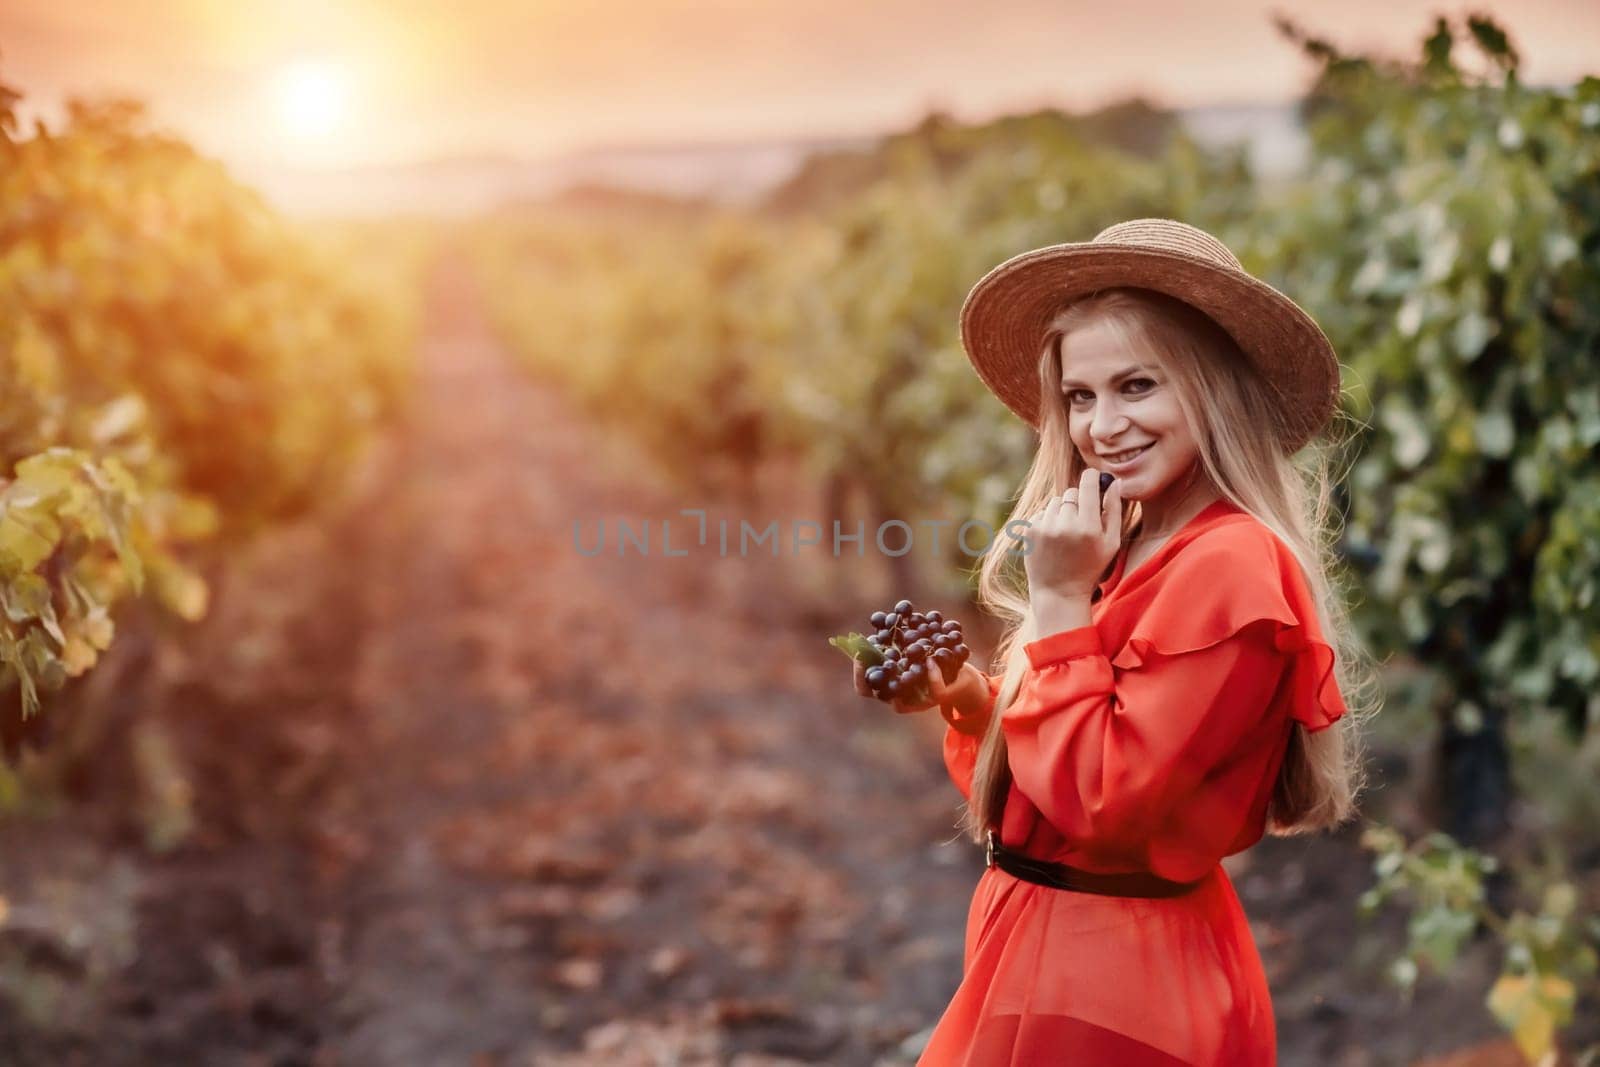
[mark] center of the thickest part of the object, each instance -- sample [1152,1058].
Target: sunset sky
[331,83]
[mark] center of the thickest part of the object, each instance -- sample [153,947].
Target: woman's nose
[1108,423]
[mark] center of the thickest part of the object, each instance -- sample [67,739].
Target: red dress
[1146,740]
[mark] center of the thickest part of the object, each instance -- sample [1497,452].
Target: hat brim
[1005,315]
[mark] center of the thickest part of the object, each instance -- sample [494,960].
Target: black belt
[1061,876]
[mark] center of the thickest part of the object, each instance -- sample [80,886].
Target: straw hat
[1004,318]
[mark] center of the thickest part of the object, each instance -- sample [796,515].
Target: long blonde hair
[1226,404]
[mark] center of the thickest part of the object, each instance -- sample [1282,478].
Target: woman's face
[1118,400]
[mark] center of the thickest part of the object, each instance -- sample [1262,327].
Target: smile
[1122,458]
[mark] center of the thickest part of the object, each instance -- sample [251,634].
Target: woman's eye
[1073,395]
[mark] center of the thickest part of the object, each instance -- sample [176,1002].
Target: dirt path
[627,805]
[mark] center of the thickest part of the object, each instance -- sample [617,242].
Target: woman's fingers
[1089,498]
[1059,504]
[905,708]
[1068,510]
[1114,512]
[936,692]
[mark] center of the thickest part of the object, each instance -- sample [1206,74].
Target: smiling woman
[1169,675]
[313,99]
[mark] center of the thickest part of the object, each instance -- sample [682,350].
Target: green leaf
[857,647]
[1585,407]
[1410,439]
[1494,433]
[1472,332]
[1500,254]
[1439,932]
[1560,899]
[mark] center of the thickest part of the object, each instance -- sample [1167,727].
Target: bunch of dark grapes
[910,644]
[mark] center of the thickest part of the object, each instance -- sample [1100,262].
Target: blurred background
[327,330]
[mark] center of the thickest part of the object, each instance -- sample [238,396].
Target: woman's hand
[1073,538]
[968,693]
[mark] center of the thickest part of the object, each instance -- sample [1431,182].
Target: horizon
[296,93]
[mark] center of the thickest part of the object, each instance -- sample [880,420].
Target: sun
[313,99]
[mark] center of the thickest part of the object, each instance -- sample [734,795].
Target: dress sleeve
[962,736]
[1109,745]
[1107,760]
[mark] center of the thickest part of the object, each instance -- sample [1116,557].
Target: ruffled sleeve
[962,736]
[1218,585]
[1111,748]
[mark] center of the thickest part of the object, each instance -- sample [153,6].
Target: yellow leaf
[184,593]
[1513,1004]
[77,655]
[50,471]
[1532,1011]
[1535,1032]
[98,629]
[1559,995]
[26,542]
[119,478]
[194,518]
[29,595]
[1560,899]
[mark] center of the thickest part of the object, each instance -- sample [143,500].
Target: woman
[1169,691]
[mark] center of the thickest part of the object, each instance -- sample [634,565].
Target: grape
[909,645]
[1106,480]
